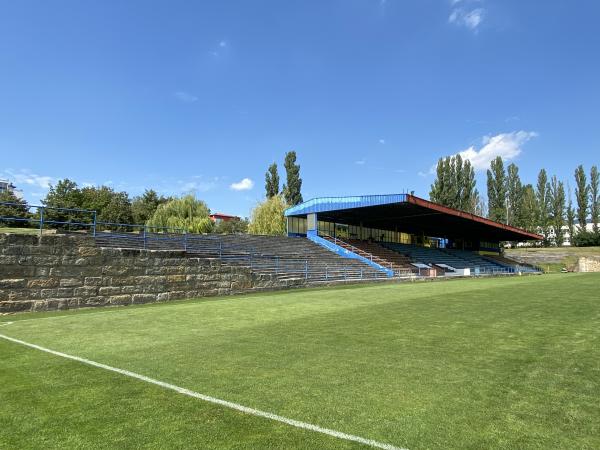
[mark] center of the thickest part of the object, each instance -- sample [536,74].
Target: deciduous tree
[185,213]
[267,217]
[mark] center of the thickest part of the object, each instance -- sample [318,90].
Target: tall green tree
[272,181]
[186,213]
[514,194]
[442,189]
[455,184]
[557,196]
[543,202]
[528,208]
[144,206]
[496,187]
[570,217]
[595,198]
[582,191]
[292,189]
[267,217]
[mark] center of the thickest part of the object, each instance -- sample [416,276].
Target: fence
[135,236]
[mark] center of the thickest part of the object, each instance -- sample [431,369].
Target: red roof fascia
[465,215]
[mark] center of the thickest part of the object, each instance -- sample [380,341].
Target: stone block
[120,299]
[109,290]
[92,281]
[43,283]
[9,307]
[94,301]
[13,283]
[143,298]
[71,282]
[85,291]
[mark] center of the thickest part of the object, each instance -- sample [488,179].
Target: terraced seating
[279,256]
[427,255]
[457,259]
[516,265]
[399,263]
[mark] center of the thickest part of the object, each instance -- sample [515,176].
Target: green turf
[471,364]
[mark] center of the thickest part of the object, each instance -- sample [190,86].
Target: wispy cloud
[197,183]
[243,185]
[465,14]
[221,46]
[382,141]
[185,97]
[27,177]
[360,162]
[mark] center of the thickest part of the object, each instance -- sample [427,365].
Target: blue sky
[197,96]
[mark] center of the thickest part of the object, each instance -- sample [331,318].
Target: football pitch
[502,363]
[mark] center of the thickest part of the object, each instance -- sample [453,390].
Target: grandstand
[401,232]
[339,238]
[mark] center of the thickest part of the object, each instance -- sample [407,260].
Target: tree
[66,194]
[595,199]
[272,181]
[557,196]
[543,203]
[514,194]
[455,184]
[293,187]
[234,226]
[185,213]
[442,187]
[144,206]
[570,216]
[528,207]
[581,194]
[18,210]
[111,207]
[267,217]
[496,186]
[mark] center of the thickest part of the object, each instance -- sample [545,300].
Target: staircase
[385,258]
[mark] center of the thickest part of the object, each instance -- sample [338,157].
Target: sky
[202,96]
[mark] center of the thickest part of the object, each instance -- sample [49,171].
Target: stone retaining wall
[61,272]
[588,265]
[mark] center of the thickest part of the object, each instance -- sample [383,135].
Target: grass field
[19,230]
[470,364]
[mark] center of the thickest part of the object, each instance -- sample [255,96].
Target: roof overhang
[410,214]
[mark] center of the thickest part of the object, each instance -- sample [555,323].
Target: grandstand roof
[409,214]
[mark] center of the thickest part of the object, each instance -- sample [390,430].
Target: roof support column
[311,225]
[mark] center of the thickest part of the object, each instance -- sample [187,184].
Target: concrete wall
[60,272]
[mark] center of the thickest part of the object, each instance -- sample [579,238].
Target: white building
[7,186]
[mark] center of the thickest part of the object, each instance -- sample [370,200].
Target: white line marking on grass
[206,398]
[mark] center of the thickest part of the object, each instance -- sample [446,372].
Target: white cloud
[185,97]
[360,162]
[243,185]
[382,141]
[469,18]
[26,177]
[506,145]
